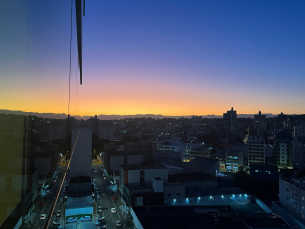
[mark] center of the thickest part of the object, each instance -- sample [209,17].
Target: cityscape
[152,114]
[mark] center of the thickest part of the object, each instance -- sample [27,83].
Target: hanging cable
[76,87]
[70,59]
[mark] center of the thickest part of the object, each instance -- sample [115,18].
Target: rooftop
[142,166]
[200,164]
[213,192]
[255,217]
[182,217]
[191,176]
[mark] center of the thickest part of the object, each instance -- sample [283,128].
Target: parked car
[113,210]
[99,210]
[86,218]
[43,216]
[71,220]
[118,223]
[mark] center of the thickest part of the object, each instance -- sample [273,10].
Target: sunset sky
[155,57]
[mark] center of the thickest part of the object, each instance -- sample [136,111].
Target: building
[281,123]
[193,181]
[212,217]
[234,158]
[264,172]
[298,146]
[260,123]
[200,164]
[298,152]
[142,184]
[220,155]
[114,159]
[184,148]
[81,147]
[181,135]
[79,199]
[291,204]
[203,151]
[256,149]
[283,149]
[141,174]
[229,122]
[211,197]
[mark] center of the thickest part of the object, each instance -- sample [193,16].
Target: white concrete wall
[283,193]
[158,185]
[133,176]
[151,173]
[82,145]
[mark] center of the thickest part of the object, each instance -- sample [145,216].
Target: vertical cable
[70,58]
[76,87]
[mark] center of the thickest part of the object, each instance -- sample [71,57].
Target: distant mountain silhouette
[114,116]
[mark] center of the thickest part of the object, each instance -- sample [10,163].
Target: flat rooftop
[214,192]
[142,166]
[255,217]
[183,217]
[191,217]
[183,177]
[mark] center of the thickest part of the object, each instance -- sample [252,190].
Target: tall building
[79,198]
[292,199]
[283,149]
[256,149]
[280,124]
[260,123]
[298,159]
[229,122]
[81,146]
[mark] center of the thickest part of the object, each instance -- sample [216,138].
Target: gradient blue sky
[159,57]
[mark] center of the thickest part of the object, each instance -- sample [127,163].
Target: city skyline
[170,58]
